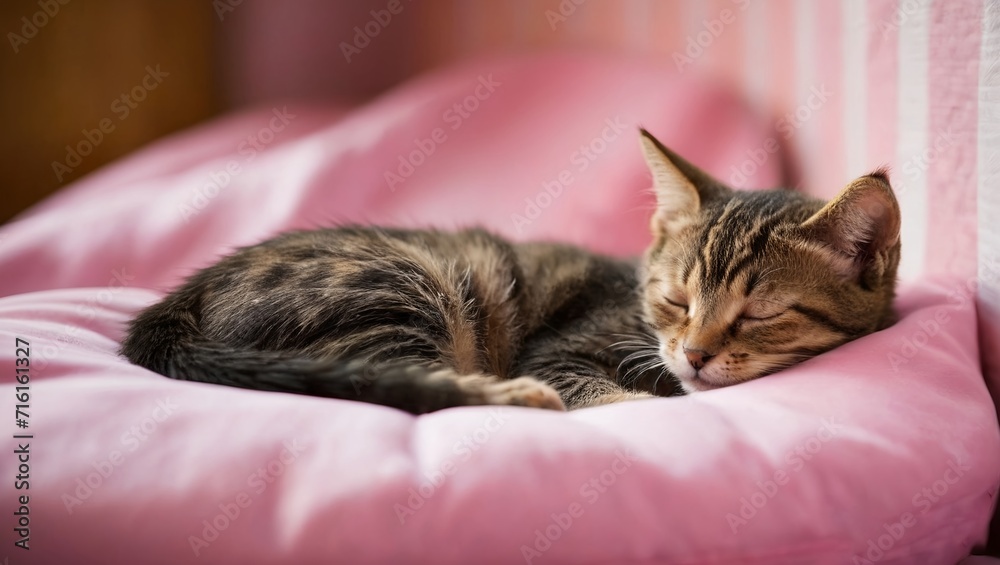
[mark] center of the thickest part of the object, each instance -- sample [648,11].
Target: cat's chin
[696,384]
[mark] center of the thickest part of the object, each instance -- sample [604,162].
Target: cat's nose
[697,357]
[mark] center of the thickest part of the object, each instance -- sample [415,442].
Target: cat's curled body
[735,285]
[412,319]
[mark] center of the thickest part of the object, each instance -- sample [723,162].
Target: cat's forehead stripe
[725,241]
[744,225]
[758,242]
[703,241]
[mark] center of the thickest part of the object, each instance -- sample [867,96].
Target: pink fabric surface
[832,452]
[820,461]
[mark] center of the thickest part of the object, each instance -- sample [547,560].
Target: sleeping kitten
[735,285]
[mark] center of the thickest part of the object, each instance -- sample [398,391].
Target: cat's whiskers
[643,355]
[663,373]
[647,366]
[652,359]
[632,339]
[625,345]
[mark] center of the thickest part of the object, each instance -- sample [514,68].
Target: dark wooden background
[66,78]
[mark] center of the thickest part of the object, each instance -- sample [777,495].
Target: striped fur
[424,320]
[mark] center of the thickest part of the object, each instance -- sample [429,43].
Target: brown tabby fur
[736,285]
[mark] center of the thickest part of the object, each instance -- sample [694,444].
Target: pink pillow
[885,450]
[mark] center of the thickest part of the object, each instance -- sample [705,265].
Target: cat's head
[740,284]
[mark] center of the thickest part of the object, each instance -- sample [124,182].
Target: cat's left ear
[682,190]
[861,224]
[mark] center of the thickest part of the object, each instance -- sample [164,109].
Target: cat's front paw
[523,391]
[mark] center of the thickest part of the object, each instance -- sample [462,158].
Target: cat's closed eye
[678,301]
[746,316]
[762,311]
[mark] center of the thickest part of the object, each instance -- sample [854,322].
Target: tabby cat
[736,285]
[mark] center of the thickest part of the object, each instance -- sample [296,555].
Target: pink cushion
[886,449]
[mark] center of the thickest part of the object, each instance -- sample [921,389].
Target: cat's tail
[166,338]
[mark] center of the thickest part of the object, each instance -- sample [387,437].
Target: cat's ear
[682,189]
[861,223]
